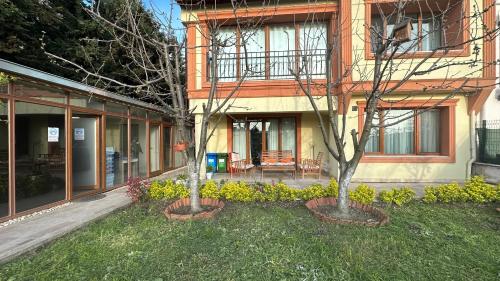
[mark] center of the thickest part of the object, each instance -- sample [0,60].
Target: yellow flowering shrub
[479,191]
[363,194]
[210,190]
[237,191]
[397,196]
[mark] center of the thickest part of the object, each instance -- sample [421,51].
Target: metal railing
[488,145]
[269,65]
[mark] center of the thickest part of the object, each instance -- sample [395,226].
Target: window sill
[407,159]
[426,54]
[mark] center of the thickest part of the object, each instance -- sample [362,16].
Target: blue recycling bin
[212,161]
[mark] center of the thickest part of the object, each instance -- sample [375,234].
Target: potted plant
[210,172]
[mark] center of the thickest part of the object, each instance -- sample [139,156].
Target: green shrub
[237,191]
[332,190]
[451,192]
[167,190]
[479,191]
[313,191]
[210,190]
[280,192]
[397,196]
[363,194]
[429,195]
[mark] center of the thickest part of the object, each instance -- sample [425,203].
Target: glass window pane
[429,131]
[239,139]
[4,159]
[154,148]
[4,89]
[282,51]
[313,40]
[85,139]
[116,108]
[40,156]
[255,40]
[138,112]
[116,151]
[154,116]
[272,134]
[431,33]
[372,145]
[87,102]
[226,64]
[167,148]
[138,148]
[41,92]
[399,138]
[288,134]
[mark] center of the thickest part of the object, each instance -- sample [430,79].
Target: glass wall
[40,155]
[116,151]
[87,102]
[37,91]
[167,147]
[138,148]
[154,148]
[4,159]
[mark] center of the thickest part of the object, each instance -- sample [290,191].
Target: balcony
[270,65]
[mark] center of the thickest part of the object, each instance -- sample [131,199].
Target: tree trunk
[345,176]
[194,176]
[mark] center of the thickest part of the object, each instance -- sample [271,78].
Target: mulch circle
[315,204]
[176,210]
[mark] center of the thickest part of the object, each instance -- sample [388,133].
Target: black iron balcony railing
[269,65]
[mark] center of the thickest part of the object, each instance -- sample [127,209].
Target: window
[87,102]
[138,148]
[167,148]
[40,92]
[154,148]
[436,24]
[271,51]
[405,132]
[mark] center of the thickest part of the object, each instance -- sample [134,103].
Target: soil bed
[186,210]
[352,214]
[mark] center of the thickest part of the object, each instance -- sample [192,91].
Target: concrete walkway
[26,235]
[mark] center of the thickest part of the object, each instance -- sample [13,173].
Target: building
[61,140]
[269,112]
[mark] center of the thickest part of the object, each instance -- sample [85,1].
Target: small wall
[490,172]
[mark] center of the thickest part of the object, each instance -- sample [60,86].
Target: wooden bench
[238,165]
[278,161]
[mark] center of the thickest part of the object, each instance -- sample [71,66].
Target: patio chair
[311,166]
[238,165]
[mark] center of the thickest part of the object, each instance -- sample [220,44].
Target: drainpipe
[472,133]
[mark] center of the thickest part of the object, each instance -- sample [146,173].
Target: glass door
[85,145]
[255,128]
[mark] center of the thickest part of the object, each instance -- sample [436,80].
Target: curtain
[429,131]
[288,134]
[398,138]
[431,32]
[272,135]
[255,42]
[239,139]
[226,60]
[373,141]
[313,40]
[282,51]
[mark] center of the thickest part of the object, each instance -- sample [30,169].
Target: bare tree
[393,41]
[159,54]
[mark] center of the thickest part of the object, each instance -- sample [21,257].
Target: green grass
[256,242]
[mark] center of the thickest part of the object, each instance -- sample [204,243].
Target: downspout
[472,134]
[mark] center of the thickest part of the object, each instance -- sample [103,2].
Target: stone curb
[169,211]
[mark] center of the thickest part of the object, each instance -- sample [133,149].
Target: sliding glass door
[85,143]
[251,137]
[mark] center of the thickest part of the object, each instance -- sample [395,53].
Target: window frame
[446,138]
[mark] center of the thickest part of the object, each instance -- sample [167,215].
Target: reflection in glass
[4,159]
[37,91]
[255,142]
[116,108]
[116,151]
[154,148]
[40,155]
[84,141]
[87,102]
[167,148]
[138,148]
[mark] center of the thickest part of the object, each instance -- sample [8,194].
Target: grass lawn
[256,242]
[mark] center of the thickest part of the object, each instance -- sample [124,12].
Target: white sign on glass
[53,134]
[79,134]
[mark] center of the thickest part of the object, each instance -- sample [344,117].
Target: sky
[164,6]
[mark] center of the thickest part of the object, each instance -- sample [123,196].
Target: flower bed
[170,211]
[314,204]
